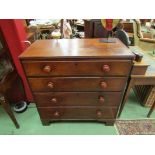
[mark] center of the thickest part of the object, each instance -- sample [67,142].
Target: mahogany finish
[76,48]
[77,68]
[77,99]
[76,113]
[78,79]
[77,84]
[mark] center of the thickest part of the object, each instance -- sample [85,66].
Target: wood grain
[77,79]
[77,99]
[77,113]
[77,84]
[77,68]
[79,48]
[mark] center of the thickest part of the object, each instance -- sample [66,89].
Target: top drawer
[77,68]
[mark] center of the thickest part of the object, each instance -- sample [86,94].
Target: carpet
[136,127]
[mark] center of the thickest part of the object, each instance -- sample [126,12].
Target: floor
[30,123]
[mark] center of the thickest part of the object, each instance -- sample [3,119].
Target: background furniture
[144,78]
[145,33]
[4,87]
[94,29]
[151,109]
[40,28]
[73,79]
[15,36]
[145,93]
[9,77]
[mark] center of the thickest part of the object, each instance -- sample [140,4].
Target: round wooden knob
[50,85]
[101,99]
[54,100]
[103,84]
[106,68]
[56,114]
[99,113]
[47,69]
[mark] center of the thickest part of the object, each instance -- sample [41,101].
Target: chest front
[77,79]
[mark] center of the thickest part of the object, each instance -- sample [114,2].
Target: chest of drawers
[77,79]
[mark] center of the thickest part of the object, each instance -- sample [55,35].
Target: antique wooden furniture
[146,79]
[8,76]
[151,109]
[4,87]
[94,29]
[129,28]
[77,79]
[141,76]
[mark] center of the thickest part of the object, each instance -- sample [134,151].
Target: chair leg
[127,92]
[7,108]
[151,110]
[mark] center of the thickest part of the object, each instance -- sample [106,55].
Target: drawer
[78,99]
[77,113]
[77,84]
[77,68]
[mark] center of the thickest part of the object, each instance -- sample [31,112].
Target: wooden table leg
[130,85]
[151,109]
[7,108]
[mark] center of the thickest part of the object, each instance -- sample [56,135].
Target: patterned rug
[136,127]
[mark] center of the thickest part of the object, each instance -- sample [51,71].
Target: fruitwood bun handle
[106,68]
[47,69]
[50,85]
[101,99]
[103,84]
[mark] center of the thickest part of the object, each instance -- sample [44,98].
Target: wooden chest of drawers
[77,79]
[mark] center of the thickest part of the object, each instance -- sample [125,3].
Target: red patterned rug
[136,127]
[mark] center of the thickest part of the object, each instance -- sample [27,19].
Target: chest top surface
[76,48]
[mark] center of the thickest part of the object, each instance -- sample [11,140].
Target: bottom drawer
[77,113]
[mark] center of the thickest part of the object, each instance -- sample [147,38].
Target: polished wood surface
[77,84]
[77,99]
[78,113]
[79,48]
[78,79]
[77,68]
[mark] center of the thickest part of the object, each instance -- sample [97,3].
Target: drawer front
[77,113]
[78,99]
[77,84]
[77,68]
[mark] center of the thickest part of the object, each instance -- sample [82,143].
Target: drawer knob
[103,84]
[50,85]
[99,113]
[101,99]
[47,69]
[56,114]
[106,68]
[54,100]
